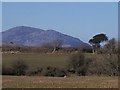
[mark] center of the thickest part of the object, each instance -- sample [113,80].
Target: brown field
[59,82]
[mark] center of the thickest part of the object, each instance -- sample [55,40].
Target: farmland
[59,82]
[57,60]
[37,60]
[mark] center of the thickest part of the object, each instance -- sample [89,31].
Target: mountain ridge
[30,36]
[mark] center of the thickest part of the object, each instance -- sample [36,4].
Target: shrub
[60,72]
[48,71]
[19,67]
[113,64]
[34,72]
[78,64]
[98,64]
[30,73]
[103,65]
[7,70]
[54,72]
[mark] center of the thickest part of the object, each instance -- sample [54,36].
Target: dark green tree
[97,40]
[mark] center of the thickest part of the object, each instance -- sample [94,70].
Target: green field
[59,82]
[37,60]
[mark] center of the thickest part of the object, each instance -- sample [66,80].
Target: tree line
[96,43]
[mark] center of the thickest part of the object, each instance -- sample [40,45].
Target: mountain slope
[29,36]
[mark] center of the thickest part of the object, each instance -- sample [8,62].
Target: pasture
[59,82]
[34,60]
[57,60]
[37,60]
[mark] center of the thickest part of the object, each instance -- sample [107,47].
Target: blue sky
[81,20]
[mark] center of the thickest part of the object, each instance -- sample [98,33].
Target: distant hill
[29,36]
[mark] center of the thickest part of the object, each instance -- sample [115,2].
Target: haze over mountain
[29,36]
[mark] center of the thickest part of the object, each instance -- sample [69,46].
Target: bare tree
[57,44]
[111,46]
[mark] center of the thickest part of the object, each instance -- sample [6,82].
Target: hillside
[29,36]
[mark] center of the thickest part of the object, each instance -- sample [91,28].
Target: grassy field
[59,82]
[56,60]
[36,59]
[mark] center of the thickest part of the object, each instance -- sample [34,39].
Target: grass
[59,82]
[56,60]
[36,59]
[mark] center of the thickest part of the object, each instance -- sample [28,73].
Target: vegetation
[78,64]
[57,44]
[19,67]
[55,61]
[75,62]
[96,40]
[35,60]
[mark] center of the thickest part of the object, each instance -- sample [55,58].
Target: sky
[0,23]
[60,0]
[78,19]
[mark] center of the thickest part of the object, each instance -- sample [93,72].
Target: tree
[57,44]
[97,40]
[111,46]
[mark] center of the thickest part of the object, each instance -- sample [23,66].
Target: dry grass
[59,82]
[0,82]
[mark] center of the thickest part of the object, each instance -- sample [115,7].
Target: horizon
[74,19]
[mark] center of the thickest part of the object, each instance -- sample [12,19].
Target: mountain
[29,36]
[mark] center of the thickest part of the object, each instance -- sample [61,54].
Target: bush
[19,67]
[54,72]
[60,73]
[48,71]
[7,70]
[34,72]
[113,64]
[103,65]
[98,64]
[78,64]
